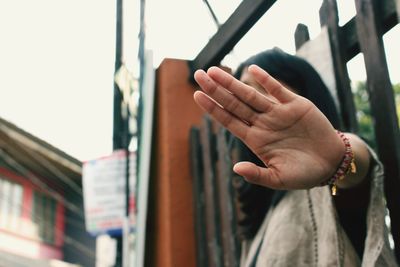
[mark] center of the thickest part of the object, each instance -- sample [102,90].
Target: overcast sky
[57,57]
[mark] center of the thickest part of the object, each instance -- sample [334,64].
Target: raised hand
[287,132]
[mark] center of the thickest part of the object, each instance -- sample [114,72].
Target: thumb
[257,175]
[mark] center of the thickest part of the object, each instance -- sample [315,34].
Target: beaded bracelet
[346,166]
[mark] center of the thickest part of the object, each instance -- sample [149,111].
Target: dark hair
[297,73]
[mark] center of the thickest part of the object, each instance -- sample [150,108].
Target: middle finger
[225,98]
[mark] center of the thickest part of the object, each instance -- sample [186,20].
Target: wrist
[345,167]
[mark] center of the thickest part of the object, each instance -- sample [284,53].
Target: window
[11,195]
[44,216]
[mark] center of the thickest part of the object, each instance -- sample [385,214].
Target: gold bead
[333,190]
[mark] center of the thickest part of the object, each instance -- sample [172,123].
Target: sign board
[104,193]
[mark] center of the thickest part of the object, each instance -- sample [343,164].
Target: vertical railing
[230,240]
[199,199]
[216,235]
[213,230]
[364,34]
[382,105]
[329,17]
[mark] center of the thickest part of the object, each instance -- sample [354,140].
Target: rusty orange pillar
[170,229]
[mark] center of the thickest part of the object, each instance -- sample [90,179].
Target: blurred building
[41,204]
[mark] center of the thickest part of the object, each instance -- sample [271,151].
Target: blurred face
[248,79]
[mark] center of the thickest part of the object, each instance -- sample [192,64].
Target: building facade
[41,204]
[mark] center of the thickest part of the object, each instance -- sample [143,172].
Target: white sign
[104,192]
[126,82]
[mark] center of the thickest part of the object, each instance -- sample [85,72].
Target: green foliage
[364,116]
[363,112]
[396,89]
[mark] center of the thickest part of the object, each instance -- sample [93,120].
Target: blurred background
[57,57]
[57,74]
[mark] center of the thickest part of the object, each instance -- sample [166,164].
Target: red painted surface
[6,173]
[60,225]
[27,202]
[50,252]
[23,242]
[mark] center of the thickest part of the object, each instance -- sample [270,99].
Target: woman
[290,124]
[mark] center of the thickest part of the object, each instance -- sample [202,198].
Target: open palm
[287,132]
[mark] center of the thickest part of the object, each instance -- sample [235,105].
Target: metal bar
[329,17]
[229,34]
[126,228]
[212,13]
[117,112]
[383,107]
[117,116]
[142,74]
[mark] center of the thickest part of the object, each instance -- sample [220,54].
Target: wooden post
[382,106]
[170,230]
[329,17]
[387,20]
[398,9]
